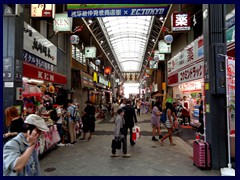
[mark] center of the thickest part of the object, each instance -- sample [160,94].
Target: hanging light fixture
[107,70]
[97,62]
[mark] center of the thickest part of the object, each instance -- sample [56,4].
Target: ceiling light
[161,18]
[90,21]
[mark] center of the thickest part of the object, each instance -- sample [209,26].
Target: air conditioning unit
[11,10]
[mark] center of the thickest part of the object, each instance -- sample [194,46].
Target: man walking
[130,119]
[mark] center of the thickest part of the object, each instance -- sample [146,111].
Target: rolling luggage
[202,154]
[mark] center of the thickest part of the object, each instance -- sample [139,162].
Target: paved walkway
[92,158]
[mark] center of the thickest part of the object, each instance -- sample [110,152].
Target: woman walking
[155,120]
[169,123]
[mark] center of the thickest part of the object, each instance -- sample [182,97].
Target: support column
[13,26]
[215,95]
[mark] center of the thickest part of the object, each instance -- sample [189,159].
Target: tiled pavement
[92,158]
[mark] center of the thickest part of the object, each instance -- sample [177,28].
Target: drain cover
[154,146]
[50,169]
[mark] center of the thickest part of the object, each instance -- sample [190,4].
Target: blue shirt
[12,150]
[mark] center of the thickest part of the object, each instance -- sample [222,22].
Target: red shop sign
[34,72]
[181,21]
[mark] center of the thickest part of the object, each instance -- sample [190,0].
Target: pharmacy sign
[180,21]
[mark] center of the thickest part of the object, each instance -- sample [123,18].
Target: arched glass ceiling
[128,37]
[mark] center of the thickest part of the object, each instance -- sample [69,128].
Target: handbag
[116,144]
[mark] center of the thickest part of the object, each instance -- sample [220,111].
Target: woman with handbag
[119,135]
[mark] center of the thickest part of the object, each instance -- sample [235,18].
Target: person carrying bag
[119,135]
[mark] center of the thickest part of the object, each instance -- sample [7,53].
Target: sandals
[161,143]
[172,144]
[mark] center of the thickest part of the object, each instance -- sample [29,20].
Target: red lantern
[107,70]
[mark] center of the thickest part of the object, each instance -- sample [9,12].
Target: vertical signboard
[180,21]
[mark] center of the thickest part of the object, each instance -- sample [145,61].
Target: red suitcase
[201,154]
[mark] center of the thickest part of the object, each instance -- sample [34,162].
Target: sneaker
[75,142]
[89,139]
[60,144]
[82,139]
[160,136]
[114,155]
[154,139]
[126,155]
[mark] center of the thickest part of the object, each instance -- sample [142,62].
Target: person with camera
[19,155]
[120,134]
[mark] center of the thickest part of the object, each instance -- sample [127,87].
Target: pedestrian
[14,123]
[71,122]
[19,155]
[175,118]
[185,111]
[138,107]
[130,119]
[142,106]
[119,133]
[155,120]
[200,129]
[169,123]
[59,123]
[88,121]
[123,103]
[115,107]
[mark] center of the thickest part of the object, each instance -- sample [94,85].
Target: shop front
[41,90]
[87,86]
[185,75]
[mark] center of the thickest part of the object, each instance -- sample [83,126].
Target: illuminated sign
[62,23]
[180,21]
[42,10]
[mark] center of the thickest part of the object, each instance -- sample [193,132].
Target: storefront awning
[34,72]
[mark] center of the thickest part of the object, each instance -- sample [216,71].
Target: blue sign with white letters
[118,12]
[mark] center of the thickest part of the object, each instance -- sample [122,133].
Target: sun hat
[37,121]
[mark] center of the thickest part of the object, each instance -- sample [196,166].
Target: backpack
[76,115]
[53,115]
[163,116]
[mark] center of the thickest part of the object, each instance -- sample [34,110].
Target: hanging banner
[103,10]
[231,76]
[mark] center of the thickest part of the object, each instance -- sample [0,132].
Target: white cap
[37,121]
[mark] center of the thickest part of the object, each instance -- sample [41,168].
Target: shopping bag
[136,133]
[116,144]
